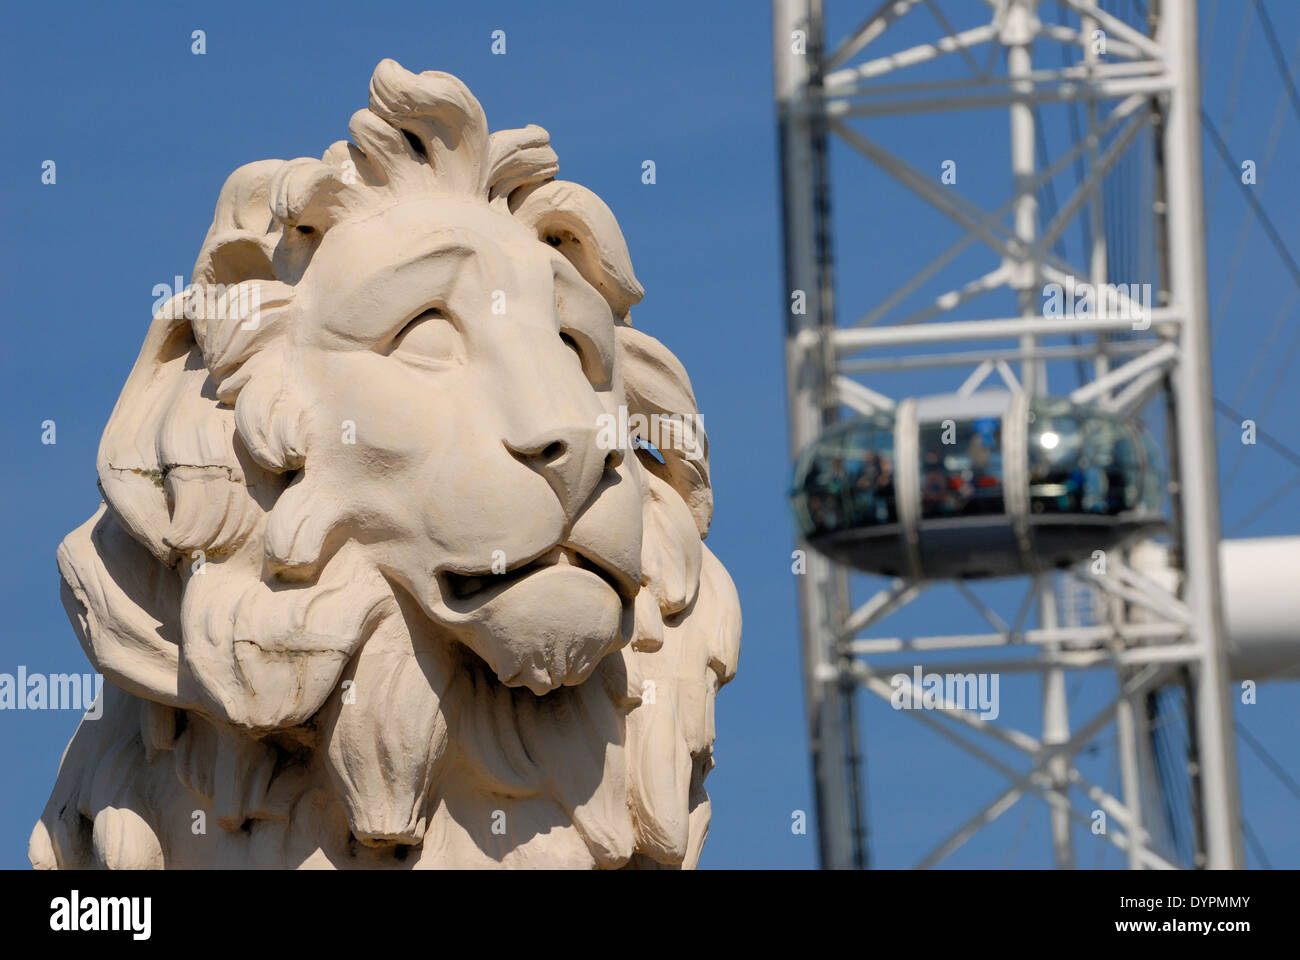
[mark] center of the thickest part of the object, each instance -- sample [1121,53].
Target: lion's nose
[570,460]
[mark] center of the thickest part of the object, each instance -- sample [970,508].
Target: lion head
[371,585]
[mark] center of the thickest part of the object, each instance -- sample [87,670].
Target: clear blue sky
[144,134]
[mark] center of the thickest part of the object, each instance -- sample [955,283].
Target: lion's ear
[519,158]
[241,240]
[656,383]
[579,224]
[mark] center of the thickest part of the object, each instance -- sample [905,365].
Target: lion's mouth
[467,586]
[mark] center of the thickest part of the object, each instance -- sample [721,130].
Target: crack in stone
[158,476]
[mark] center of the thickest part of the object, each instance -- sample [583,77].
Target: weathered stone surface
[383,576]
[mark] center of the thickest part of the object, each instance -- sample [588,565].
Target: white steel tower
[1153,630]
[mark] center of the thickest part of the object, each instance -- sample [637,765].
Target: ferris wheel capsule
[995,483]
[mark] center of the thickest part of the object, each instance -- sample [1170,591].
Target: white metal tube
[1072,635]
[1064,92]
[1198,476]
[823,592]
[1261,606]
[1126,731]
[854,338]
[1161,356]
[969,358]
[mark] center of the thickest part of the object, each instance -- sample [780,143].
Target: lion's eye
[588,357]
[430,338]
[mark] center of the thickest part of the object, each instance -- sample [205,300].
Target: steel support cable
[1113,205]
[1047,211]
[1290,94]
[1169,757]
[1243,234]
[1116,203]
[1180,739]
[1109,216]
[1171,772]
[1146,193]
[1132,203]
[1049,208]
[1132,190]
[1112,201]
[1256,847]
[1076,134]
[1274,767]
[1262,409]
[1270,440]
[1271,36]
[1118,224]
[1085,217]
[1225,155]
[1019,837]
[1212,13]
[1279,378]
[1279,447]
[1166,767]
[1266,351]
[1221,148]
[1117,230]
[946,27]
[1261,508]
[1234,93]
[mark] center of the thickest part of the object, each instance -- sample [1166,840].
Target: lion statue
[370,585]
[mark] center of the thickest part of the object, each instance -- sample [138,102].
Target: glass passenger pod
[964,527]
[1001,484]
[844,494]
[1095,480]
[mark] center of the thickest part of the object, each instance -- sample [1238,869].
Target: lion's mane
[263,675]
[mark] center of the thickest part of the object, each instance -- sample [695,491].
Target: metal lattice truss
[1127,83]
[1137,68]
[1121,95]
[1143,650]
